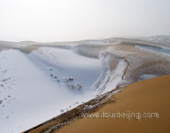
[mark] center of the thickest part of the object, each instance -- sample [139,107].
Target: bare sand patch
[150,95]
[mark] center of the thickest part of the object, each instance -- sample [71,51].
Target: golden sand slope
[151,95]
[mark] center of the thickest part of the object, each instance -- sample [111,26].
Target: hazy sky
[66,20]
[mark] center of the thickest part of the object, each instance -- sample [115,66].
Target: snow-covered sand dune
[37,86]
[40,82]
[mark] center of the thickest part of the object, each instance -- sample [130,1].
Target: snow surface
[37,86]
[162,39]
[160,51]
[109,80]
[146,76]
[30,95]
